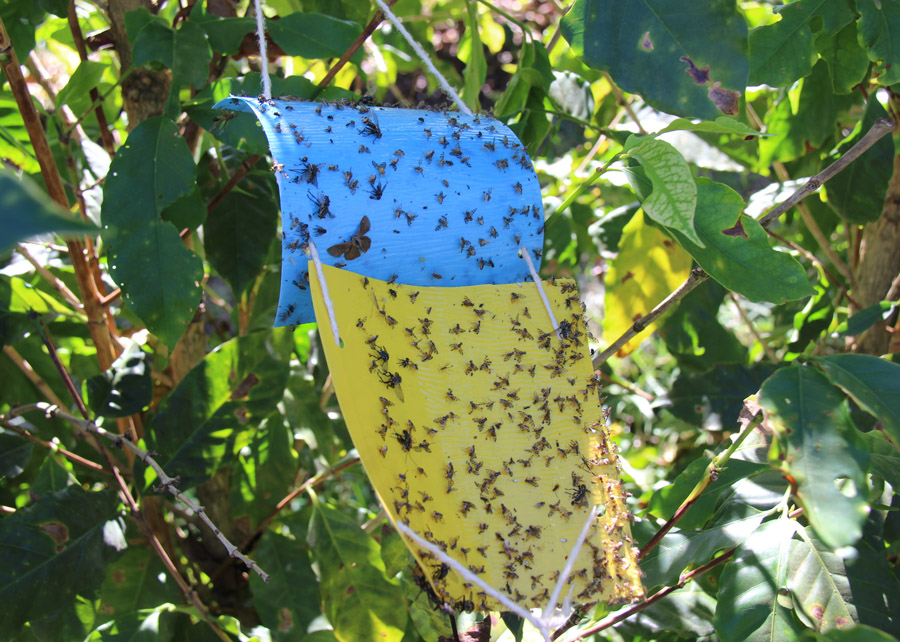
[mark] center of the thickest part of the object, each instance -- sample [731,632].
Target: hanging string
[523,253]
[424,57]
[263,54]
[325,297]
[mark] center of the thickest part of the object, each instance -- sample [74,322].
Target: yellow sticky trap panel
[482,431]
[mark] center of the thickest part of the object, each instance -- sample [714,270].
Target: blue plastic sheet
[422,197]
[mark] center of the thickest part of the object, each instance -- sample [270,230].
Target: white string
[425,59]
[324,287]
[570,564]
[263,54]
[523,253]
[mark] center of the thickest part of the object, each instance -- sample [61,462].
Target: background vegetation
[789,529]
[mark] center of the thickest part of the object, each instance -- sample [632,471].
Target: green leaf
[313,35]
[290,601]
[642,44]
[471,52]
[874,586]
[238,233]
[154,42]
[687,613]
[784,51]
[52,477]
[873,383]
[847,61]
[213,411]
[54,550]
[818,584]
[812,321]
[883,457]
[694,336]
[264,475]
[673,200]
[76,92]
[879,33]
[749,607]
[150,625]
[859,633]
[817,446]
[14,453]
[158,275]
[225,34]
[861,321]
[721,125]
[721,390]
[360,602]
[857,193]
[26,211]
[681,549]
[189,211]
[190,56]
[745,263]
[137,580]
[126,388]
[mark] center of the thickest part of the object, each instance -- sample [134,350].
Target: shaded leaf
[647,268]
[26,211]
[214,410]
[860,633]
[313,35]
[681,549]
[290,601]
[673,199]
[225,34]
[237,236]
[126,388]
[52,477]
[150,625]
[158,275]
[54,550]
[817,581]
[784,51]
[746,264]
[817,446]
[693,334]
[857,193]
[879,33]
[687,612]
[360,602]
[721,390]
[264,475]
[641,45]
[137,580]
[14,453]
[884,458]
[847,60]
[874,586]
[76,92]
[861,321]
[749,606]
[872,382]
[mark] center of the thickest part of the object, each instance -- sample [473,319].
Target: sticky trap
[482,431]
[449,198]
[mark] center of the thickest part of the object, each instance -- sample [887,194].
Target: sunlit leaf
[312,35]
[648,267]
[360,602]
[878,32]
[648,46]
[126,388]
[847,60]
[819,450]
[818,585]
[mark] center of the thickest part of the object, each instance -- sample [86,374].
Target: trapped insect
[358,244]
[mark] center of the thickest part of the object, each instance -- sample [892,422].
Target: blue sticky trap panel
[450,199]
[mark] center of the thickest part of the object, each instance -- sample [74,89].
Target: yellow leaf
[649,266]
[482,431]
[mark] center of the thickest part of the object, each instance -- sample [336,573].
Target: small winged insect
[219,122]
[377,191]
[370,127]
[358,244]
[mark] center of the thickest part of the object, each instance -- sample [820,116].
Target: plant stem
[879,128]
[709,476]
[78,459]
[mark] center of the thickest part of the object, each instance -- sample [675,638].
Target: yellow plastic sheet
[482,431]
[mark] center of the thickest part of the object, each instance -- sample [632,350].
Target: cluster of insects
[535,397]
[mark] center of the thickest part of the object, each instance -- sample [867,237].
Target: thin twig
[711,473]
[354,46]
[879,128]
[50,278]
[78,459]
[626,105]
[32,376]
[656,597]
[167,483]
[770,353]
[239,173]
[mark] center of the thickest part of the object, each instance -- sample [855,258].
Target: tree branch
[879,128]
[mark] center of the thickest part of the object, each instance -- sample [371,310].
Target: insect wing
[352,252]
[340,249]
[364,226]
[365,243]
